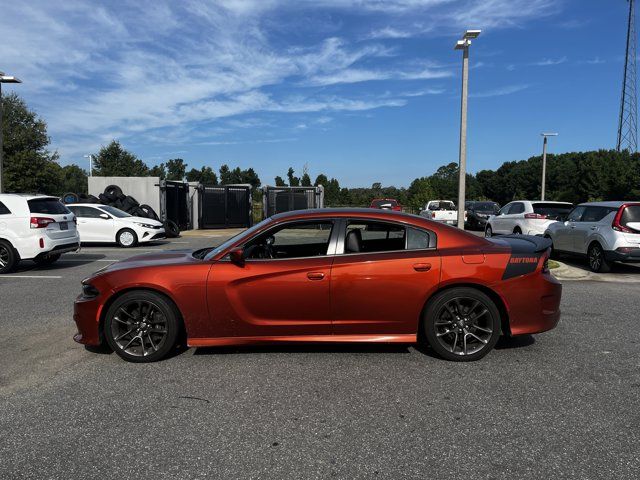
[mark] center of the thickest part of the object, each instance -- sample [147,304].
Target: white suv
[34,227]
[604,232]
[526,217]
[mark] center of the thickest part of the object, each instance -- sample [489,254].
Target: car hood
[148,221]
[164,259]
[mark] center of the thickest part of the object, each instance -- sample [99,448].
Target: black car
[478,213]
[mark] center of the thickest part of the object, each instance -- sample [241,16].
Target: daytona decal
[521,264]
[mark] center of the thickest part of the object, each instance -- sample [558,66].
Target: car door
[514,218]
[94,225]
[282,288]
[382,275]
[563,237]
[587,227]
[498,222]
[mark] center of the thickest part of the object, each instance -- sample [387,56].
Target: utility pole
[462,165]
[4,79]
[628,120]
[544,160]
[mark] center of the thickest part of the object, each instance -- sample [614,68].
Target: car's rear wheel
[488,232]
[51,259]
[8,257]
[462,324]
[141,326]
[127,238]
[597,262]
[517,231]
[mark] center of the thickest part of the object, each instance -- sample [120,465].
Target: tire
[70,197]
[142,326]
[126,238]
[488,231]
[517,231]
[171,229]
[467,337]
[50,260]
[150,212]
[103,199]
[92,199]
[130,202]
[114,190]
[597,262]
[9,258]
[111,198]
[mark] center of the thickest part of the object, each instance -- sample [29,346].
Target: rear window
[384,203]
[3,209]
[47,205]
[552,210]
[484,206]
[442,206]
[630,214]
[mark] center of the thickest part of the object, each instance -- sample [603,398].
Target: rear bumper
[615,256]
[533,303]
[59,249]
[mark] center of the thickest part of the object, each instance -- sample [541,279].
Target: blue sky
[366,90]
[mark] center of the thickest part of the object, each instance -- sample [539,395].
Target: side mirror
[105,216]
[237,256]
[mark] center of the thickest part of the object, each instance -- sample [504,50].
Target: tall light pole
[3,79]
[464,45]
[90,157]
[544,160]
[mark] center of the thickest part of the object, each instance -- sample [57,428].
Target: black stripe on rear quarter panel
[521,264]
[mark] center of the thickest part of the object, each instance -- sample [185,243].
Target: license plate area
[64,225]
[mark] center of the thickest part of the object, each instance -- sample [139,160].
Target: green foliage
[176,169]
[158,171]
[114,161]
[420,192]
[205,176]
[280,181]
[305,181]
[293,180]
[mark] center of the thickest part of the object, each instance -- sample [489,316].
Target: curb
[571,273]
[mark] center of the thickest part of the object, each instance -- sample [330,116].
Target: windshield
[485,206]
[114,211]
[381,203]
[246,234]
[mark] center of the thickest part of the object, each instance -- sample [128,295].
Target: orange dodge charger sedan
[330,275]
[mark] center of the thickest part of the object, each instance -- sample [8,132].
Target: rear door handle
[315,275]
[422,267]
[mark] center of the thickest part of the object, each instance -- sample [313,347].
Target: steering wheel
[268,246]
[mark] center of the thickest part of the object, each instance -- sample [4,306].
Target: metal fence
[284,199]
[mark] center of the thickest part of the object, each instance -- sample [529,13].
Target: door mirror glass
[105,216]
[237,256]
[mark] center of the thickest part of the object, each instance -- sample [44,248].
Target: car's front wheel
[462,324]
[127,238]
[141,326]
[597,262]
[488,231]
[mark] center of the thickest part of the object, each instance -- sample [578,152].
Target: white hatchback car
[526,217]
[604,232]
[106,224]
[34,227]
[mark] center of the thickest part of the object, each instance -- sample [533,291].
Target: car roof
[542,201]
[346,212]
[85,205]
[614,204]
[26,196]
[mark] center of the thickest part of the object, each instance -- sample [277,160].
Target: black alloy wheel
[462,324]
[141,326]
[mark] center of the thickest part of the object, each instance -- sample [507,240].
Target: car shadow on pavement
[64,263]
[580,263]
[519,341]
[306,348]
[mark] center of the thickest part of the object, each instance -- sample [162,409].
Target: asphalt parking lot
[564,404]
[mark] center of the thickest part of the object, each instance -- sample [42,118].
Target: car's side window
[85,212]
[595,214]
[505,210]
[292,240]
[4,210]
[517,207]
[576,214]
[418,239]
[371,236]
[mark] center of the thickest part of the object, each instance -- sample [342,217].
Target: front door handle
[422,267]
[315,275]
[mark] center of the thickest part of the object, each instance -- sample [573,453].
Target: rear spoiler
[523,243]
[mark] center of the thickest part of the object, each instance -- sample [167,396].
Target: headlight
[89,291]
[145,225]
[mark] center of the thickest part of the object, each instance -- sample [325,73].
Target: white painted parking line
[31,276]
[88,260]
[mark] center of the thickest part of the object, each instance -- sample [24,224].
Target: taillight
[433,214]
[535,216]
[75,220]
[41,222]
[616,225]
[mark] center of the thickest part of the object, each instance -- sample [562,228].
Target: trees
[279,181]
[205,175]
[114,161]
[176,169]
[293,180]
[420,192]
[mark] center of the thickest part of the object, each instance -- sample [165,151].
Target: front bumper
[149,235]
[86,314]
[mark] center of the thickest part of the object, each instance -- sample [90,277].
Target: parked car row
[41,228]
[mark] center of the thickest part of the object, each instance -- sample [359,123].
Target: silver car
[604,232]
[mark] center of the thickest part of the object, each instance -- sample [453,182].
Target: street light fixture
[4,79]
[544,160]
[90,157]
[464,45]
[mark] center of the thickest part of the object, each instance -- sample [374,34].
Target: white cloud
[546,62]
[507,90]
